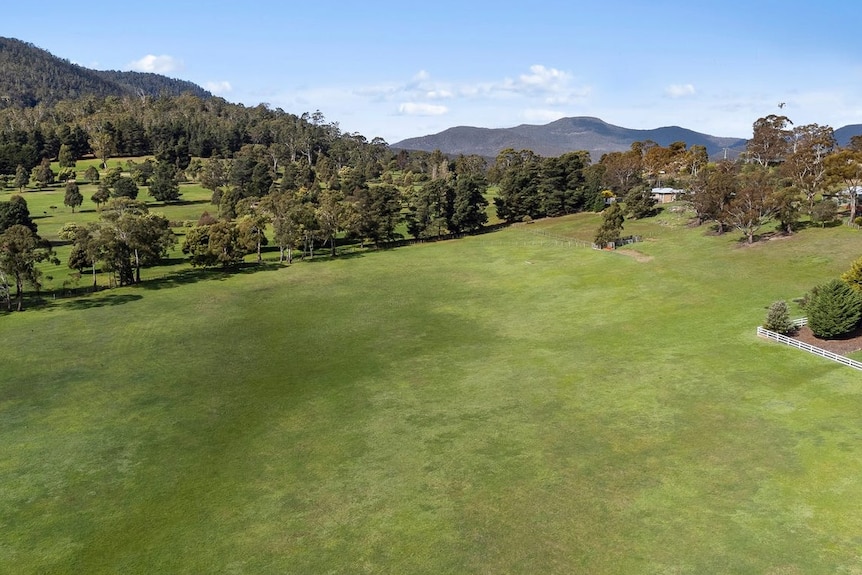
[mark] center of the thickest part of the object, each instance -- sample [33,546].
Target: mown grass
[498,404]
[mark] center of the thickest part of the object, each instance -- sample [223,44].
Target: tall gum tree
[844,172]
[770,140]
[805,165]
[20,250]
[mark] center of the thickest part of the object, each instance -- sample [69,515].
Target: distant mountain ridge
[30,76]
[565,135]
[843,135]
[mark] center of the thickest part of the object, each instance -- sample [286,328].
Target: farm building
[666,195]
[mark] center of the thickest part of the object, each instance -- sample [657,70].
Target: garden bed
[844,345]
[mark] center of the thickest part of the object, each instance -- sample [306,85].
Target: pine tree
[73,197]
[612,225]
[778,318]
[833,309]
[164,186]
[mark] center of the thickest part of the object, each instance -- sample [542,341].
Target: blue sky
[403,69]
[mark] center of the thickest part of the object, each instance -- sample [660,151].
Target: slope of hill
[564,135]
[843,135]
[30,76]
[152,84]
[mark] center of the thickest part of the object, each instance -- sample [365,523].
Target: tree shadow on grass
[194,275]
[182,203]
[327,257]
[102,301]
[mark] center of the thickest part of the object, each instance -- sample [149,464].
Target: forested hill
[152,84]
[564,135]
[30,75]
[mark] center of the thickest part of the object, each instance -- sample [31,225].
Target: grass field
[499,404]
[48,212]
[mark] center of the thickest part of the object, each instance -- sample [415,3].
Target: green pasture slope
[504,403]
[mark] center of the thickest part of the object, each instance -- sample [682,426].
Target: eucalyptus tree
[752,205]
[253,219]
[623,169]
[21,249]
[134,237]
[844,171]
[102,140]
[283,209]
[334,215]
[805,164]
[87,246]
[712,190]
[22,178]
[770,140]
[214,244]
[214,174]
[101,195]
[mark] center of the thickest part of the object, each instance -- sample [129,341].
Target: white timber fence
[762,332]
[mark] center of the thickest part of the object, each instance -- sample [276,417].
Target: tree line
[786,174]
[299,183]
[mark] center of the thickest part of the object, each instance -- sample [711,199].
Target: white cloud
[403,107]
[157,64]
[440,94]
[544,85]
[422,109]
[679,90]
[544,78]
[222,87]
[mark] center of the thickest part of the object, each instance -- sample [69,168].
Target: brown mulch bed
[846,344]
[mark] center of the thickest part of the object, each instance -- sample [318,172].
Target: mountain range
[30,76]
[579,133]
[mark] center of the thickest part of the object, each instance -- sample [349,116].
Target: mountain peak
[561,136]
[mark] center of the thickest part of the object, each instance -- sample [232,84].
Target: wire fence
[762,332]
[547,237]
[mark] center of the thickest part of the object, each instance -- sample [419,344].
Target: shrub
[206,219]
[833,309]
[778,318]
[824,212]
[853,276]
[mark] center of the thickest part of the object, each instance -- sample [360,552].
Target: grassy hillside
[499,404]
